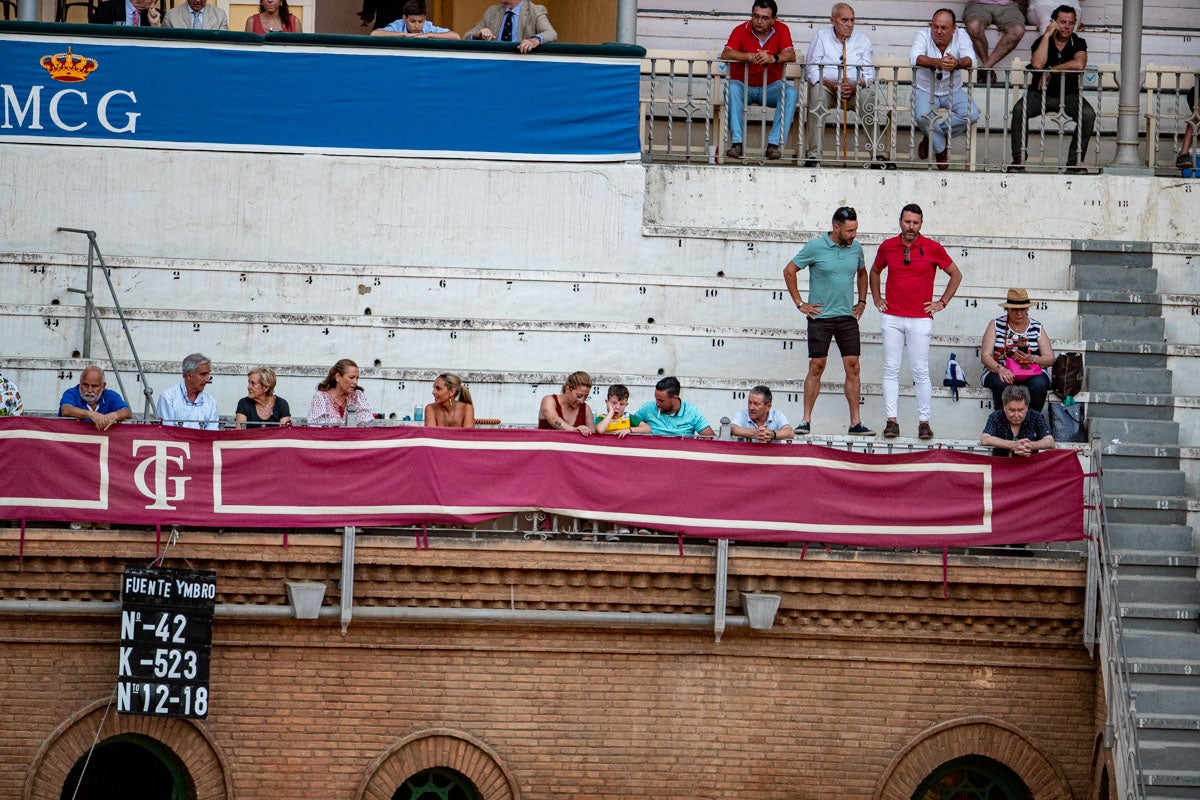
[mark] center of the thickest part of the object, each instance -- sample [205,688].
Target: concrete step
[1156,757]
[1179,590]
[1167,666]
[1141,509]
[1124,538]
[1140,646]
[1178,722]
[1159,611]
[1161,780]
[1120,302]
[1090,253]
[1115,277]
[1140,456]
[1165,482]
[1110,379]
[1122,329]
[1130,406]
[1139,431]
[1167,694]
[1140,559]
[1138,355]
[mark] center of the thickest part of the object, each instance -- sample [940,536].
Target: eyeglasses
[845,214]
[907,257]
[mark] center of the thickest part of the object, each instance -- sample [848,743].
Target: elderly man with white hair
[841,76]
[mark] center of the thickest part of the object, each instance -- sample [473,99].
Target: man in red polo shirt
[765,44]
[912,261]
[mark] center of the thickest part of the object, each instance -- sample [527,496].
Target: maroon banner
[330,477]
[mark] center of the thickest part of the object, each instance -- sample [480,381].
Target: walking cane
[845,104]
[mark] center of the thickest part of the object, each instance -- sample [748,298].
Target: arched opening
[437,783]
[128,767]
[972,778]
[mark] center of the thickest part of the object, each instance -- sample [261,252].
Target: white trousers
[915,334]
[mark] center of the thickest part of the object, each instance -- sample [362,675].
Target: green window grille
[972,778]
[437,783]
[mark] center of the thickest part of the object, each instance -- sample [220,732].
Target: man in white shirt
[940,54]
[187,405]
[841,76]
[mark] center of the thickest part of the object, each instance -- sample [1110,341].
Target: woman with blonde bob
[569,411]
[260,408]
[451,406]
[334,394]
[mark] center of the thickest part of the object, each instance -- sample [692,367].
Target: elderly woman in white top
[336,394]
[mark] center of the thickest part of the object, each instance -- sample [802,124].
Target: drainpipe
[719,590]
[27,10]
[346,585]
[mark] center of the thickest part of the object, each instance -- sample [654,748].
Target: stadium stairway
[1131,406]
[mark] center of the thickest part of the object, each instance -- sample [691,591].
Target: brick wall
[865,661]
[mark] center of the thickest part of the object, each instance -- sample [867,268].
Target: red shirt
[779,38]
[910,286]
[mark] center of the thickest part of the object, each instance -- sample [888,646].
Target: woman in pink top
[273,16]
[336,393]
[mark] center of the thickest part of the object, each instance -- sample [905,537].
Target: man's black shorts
[824,329]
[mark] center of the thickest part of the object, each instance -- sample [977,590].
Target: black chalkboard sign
[166,641]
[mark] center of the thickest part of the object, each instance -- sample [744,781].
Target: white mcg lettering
[32,108]
[161,460]
[32,103]
[55,118]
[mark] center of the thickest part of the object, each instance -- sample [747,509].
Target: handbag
[1066,377]
[1021,371]
[1066,423]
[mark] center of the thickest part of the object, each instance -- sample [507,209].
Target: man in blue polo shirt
[836,263]
[92,402]
[667,415]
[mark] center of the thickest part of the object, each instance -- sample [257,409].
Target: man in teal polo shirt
[667,415]
[836,263]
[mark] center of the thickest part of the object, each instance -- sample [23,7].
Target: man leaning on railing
[766,45]
[1057,50]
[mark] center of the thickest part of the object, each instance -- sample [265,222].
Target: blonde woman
[569,410]
[451,406]
[260,407]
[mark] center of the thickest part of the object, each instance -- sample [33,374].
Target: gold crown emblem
[68,67]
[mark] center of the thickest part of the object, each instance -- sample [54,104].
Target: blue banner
[457,103]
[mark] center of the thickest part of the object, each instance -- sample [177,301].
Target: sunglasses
[845,214]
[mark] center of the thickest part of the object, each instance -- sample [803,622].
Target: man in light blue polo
[835,263]
[187,405]
[667,415]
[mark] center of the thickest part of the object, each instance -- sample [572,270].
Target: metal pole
[27,10]
[719,591]
[1126,159]
[346,585]
[627,21]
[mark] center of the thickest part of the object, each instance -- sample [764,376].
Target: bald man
[91,401]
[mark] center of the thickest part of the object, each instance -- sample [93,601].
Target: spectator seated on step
[758,49]
[1016,429]
[337,395]
[940,55]
[758,422]
[1016,350]
[92,402]
[668,415]
[616,420]
[187,405]
[839,68]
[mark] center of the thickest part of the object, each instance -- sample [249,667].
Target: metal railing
[685,116]
[92,316]
[1102,623]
